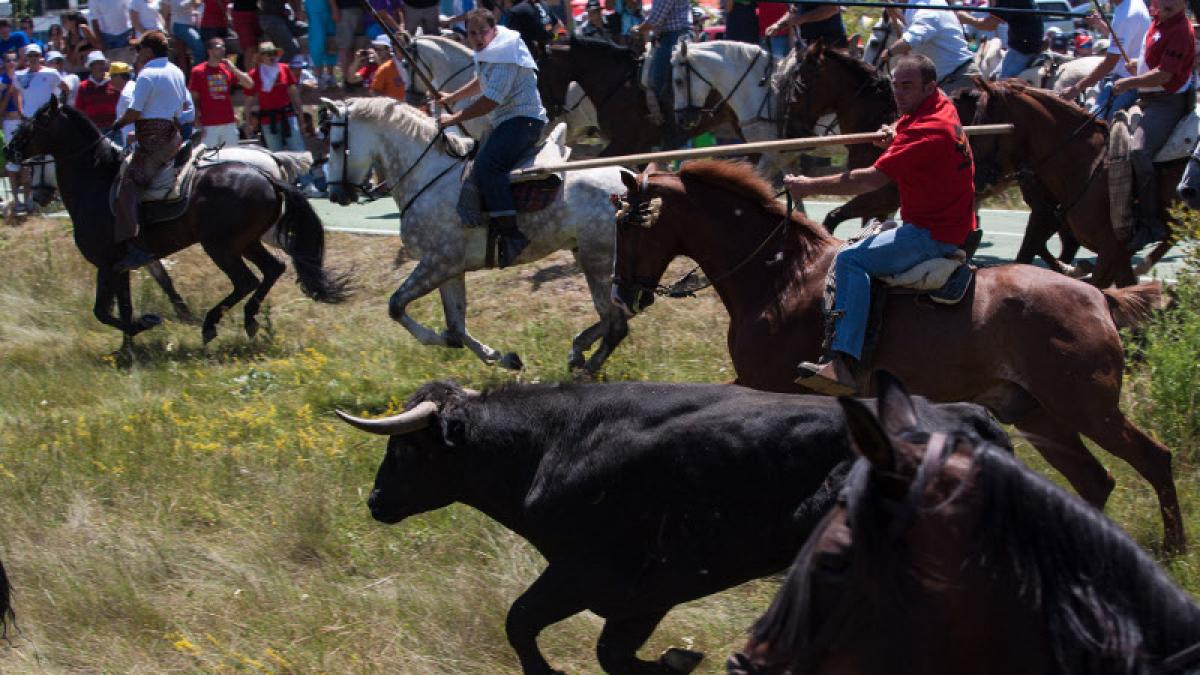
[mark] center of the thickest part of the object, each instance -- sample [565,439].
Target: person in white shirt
[38,83]
[121,74]
[1130,21]
[110,20]
[181,15]
[937,35]
[144,16]
[160,100]
[58,61]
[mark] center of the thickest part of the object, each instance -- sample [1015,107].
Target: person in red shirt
[211,84]
[278,101]
[97,95]
[1165,92]
[929,159]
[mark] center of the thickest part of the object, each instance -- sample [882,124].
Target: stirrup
[809,379]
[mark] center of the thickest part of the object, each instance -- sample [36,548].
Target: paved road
[1002,229]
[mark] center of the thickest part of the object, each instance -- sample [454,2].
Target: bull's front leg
[554,596]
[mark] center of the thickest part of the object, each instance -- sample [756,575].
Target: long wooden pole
[786,145]
[949,7]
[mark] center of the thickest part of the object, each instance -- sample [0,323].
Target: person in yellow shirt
[391,78]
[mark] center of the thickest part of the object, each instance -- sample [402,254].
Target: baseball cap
[53,55]
[33,49]
[381,41]
[96,56]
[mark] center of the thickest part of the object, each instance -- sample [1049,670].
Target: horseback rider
[927,155]
[1164,84]
[936,34]
[1025,33]
[671,21]
[506,80]
[811,22]
[159,98]
[1130,21]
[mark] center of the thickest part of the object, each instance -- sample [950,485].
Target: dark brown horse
[1039,349]
[946,555]
[232,205]
[1060,149]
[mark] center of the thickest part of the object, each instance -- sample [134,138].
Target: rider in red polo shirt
[929,159]
[1165,93]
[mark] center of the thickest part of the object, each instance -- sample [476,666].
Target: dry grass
[201,510]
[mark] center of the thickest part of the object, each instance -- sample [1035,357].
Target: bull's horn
[406,422]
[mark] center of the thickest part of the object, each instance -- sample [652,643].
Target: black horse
[231,206]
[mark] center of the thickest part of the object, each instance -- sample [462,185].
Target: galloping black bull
[640,496]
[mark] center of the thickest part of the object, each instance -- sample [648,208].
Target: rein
[1180,659]
[687,64]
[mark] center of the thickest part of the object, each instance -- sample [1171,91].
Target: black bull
[640,496]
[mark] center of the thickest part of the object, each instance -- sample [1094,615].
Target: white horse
[425,166]
[742,75]
[450,65]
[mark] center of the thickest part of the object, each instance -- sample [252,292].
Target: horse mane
[589,44]
[1048,100]
[406,120]
[725,49]
[784,70]
[1108,607]
[444,43]
[105,151]
[877,86]
[743,180]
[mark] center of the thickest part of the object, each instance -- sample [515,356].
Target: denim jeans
[660,66]
[1106,104]
[499,154]
[1014,63]
[190,37]
[778,45]
[118,41]
[886,253]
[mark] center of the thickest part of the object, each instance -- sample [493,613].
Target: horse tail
[1131,305]
[7,617]
[303,238]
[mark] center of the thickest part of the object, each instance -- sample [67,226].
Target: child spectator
[362,71]
[97,96]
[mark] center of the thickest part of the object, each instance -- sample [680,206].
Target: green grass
[201,509]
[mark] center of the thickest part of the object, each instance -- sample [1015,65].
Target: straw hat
[269,47]
[119,68]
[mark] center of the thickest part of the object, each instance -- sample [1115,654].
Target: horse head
[643,251]
[993,153]
[349,160]
[555,74]
[691,87]
[813,89]
[39,134]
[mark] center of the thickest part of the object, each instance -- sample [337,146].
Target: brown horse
[1039,349]
[1060,149]
[945,555]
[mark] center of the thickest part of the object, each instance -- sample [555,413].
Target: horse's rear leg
[271,269]
[1062,447]
[454,306]
[596,261]
[182,311]
[1116,434]
[244,282]
[622,637]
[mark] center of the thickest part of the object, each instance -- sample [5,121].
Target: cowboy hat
[269,47]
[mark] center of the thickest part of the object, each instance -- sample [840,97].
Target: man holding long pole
[1127,32]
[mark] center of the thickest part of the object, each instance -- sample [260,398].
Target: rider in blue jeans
[506,82]
[1025,34]
[670,20]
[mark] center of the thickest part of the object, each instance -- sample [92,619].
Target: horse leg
[1114,432]
[271,269]
[554,596]
[244,282]
[622,637]
[454,307]
[1042,225]
[1064,450]
[875,204]
[112,286]
[182,311]
[596,262]
[420,282]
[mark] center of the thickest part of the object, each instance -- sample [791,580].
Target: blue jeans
[499,154]
[886,253]
[118,41]
[1109,104]
[778,45]
[660,66]
[190,37]
[1014,63]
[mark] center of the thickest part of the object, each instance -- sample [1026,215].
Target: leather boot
[129,198]
[512,240]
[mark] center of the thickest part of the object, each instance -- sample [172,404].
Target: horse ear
[630,180]
[329,106]
[52,104]
[683,48]
[896,410]
[867,436]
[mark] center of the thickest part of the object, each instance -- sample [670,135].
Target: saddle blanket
[531,193]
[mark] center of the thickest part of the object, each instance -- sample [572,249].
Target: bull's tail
[303,237]
[1131,305]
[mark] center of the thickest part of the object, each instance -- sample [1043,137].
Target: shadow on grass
[553,273]
[161,350]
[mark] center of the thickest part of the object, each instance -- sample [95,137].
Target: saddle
[1120,168]
[1043,68]
[531,193]
[170,192]
[943,280]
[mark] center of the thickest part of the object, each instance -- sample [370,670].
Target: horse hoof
[208,334]
[575,361]
[681,660]
[511,361]
[149,321]
[251,328]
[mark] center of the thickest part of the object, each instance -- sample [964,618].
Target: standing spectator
[273,19]
[305,80]
[814,22]
[362,71]
[768,14]
[181,15]
[98,94]
[278,100]
[631,15]
[58,62]
[121,74]
[245,23]
[594,26]
[1130,20]
[741,21]
[79,39]
[347,17]
[10,103]
[321,27]
[392,13]
[214,20]
[389,79]
[110,19]
[37,84]
[11,41]
[422,14]
[145,16]
[211,84]
[1025,33]
[56,40]
[670,20]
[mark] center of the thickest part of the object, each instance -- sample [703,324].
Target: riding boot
[129,199]
[512,240]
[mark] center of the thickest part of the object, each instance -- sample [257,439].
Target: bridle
[690,71]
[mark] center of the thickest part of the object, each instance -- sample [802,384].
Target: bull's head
[422,466]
